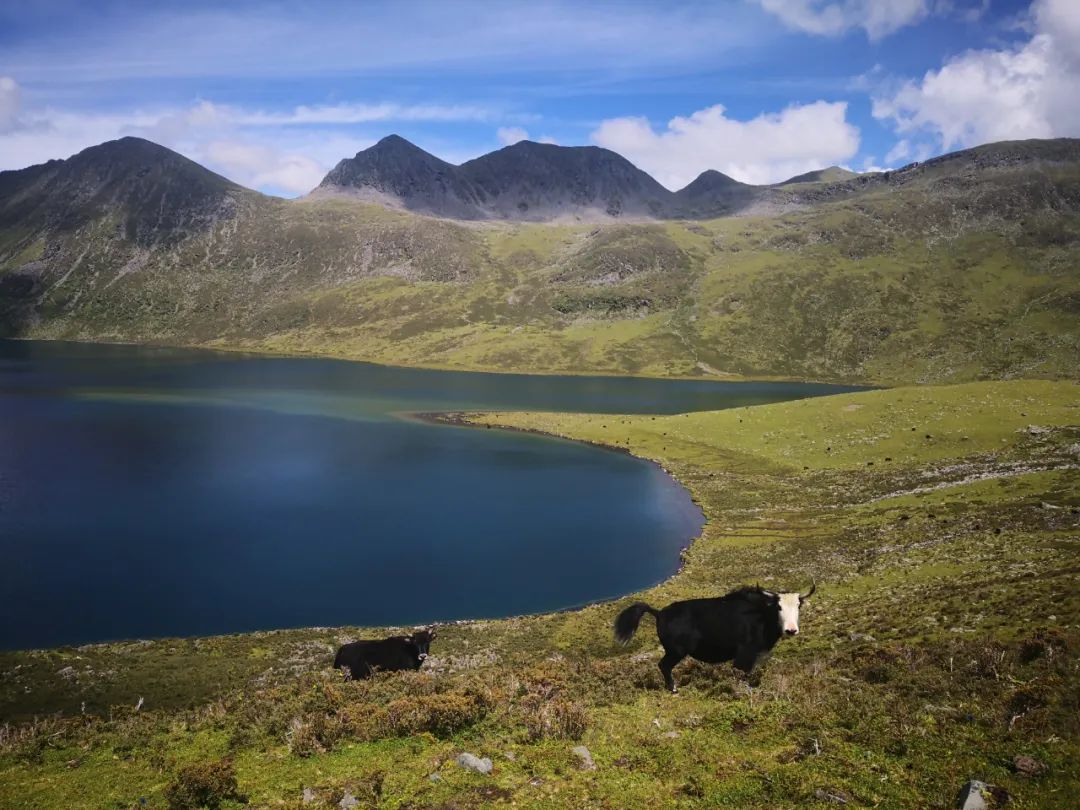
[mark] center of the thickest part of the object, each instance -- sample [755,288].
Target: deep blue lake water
[150,492]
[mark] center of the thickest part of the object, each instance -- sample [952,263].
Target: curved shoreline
[462,419]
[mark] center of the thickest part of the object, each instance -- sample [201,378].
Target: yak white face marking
[789,613]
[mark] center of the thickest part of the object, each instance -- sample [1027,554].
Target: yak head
[422,640]
[788,605]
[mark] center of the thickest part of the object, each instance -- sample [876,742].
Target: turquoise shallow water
[153,492]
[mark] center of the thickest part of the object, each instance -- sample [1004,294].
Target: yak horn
[813,587]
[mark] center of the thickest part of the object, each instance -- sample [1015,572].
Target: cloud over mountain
[1025,91]
[764,149]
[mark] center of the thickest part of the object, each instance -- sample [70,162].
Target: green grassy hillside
[940,524]
[960,269]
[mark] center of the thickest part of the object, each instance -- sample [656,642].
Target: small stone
[831,796]
[1028,767]
[309,796]
[671,735]
[471,762]
[510,755]
[435,777]
[348,801]
[585,758]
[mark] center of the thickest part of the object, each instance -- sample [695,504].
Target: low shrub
[203,785]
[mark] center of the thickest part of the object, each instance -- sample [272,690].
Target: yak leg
[668,663]
[745,658]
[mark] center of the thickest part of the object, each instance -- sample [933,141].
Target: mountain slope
[833,174]
[542,181]
[396,173]
[959,268]
[153,193]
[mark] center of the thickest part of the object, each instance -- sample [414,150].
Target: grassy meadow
[940,523]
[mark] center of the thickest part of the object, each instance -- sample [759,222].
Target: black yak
[362,658]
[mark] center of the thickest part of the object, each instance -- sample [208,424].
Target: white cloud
[900,151]
[508,136]
[1028,91]
[367,113]
[10,102]
[263,166]
[1060,19]
[765,149]
[878,18]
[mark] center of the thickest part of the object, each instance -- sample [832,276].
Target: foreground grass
[940,523]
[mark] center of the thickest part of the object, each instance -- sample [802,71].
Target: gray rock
[309,796]
[972,796]
[472,762]
[348,801]
[585,760]
[435,777]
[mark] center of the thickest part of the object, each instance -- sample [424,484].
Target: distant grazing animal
[362,658]
[740,627]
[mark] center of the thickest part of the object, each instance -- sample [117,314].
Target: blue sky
[273,94]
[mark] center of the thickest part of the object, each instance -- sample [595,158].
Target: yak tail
[627,622]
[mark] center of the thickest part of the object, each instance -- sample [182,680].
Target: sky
[273,95]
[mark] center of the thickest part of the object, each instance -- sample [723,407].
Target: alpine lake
[149,492]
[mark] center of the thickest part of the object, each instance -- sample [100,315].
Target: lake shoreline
[259,351]
[473,420]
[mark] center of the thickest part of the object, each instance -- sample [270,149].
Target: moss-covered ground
[940,523]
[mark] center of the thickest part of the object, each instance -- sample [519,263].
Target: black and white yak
[740,627]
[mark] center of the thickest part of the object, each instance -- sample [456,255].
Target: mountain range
[532,182]
[547,258]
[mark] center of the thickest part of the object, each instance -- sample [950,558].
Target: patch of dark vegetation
[605,303]
[613,254]
[209,785]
